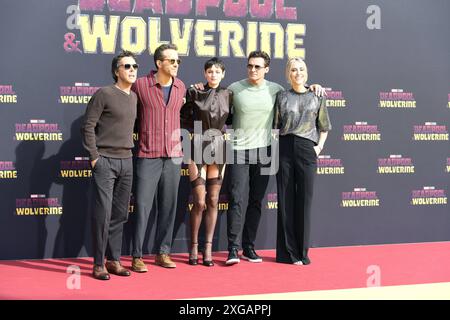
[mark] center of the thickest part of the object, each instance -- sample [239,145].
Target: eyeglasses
[257,68]
[172,61]
[128,66]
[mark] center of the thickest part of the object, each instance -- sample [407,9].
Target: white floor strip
[431,291]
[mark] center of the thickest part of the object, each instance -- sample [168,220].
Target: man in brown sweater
[108,137]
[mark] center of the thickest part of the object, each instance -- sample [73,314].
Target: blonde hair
[289,64]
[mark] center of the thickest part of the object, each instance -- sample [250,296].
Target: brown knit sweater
[108,123]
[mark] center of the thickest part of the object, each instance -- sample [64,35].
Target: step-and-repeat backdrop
[383,176]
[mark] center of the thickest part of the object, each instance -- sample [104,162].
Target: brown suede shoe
[138,265]
[164,260]
[100,273]
[116,268]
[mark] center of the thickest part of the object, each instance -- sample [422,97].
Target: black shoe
[250,255]
[207,263]
[306,261]
[233,257]
[193,260]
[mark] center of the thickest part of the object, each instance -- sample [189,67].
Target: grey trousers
[159,176]
[113,179]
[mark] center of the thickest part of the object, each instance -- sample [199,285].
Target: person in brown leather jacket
[206,111]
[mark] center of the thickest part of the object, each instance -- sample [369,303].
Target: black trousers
[113,179]
[160,176]
[240,176]
[295,182]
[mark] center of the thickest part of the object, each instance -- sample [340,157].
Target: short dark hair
[116,60]
[214,62]
[260,54]
[158,55]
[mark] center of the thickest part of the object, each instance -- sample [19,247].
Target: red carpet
[331,268]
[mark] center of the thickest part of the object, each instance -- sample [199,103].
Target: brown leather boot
[100,273]
[116,268]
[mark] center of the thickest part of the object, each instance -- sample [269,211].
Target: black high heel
[193,261]
[207,263]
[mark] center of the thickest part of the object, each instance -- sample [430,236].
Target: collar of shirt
[153,82]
